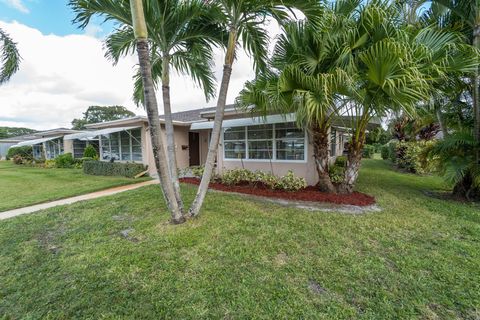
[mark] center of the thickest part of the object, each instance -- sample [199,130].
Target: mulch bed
[308,194]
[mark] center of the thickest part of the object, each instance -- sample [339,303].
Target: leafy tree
[7,132]
[96,114]
[244,21]
[9,57]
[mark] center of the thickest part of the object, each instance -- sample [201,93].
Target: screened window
[265,142]
[78,148]
[38,151]
[122,146]
[53,148]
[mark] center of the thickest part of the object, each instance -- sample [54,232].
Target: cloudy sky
[64,71]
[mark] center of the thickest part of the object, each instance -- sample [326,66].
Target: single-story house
[272,143]
[46,144]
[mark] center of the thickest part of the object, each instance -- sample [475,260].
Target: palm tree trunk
[217,126]
[152,110]
[320,140]
[354,158]
[476,91]
[169,130]
[441,123]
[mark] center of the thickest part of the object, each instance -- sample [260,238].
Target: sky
[63,69]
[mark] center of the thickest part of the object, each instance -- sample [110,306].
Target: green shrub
[411,156]
[197,171]
[101,168]
[268,179]
[341,161]
[90,152]
[368,151]
[385,152]
[377,147]
[25,152]
[49,164]
[392,151]
[18,159]
[65,160]
[336,173]
[237,176]
[290,182]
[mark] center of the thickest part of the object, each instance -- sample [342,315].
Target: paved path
[89,196]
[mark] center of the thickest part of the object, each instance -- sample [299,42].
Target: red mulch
[309,194]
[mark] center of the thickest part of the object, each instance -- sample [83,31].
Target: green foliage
[378,136]
[7,132]
[65,160]
[392,151]
[411,156]
[385,152]
[368,151]
[49,164]
[25,152]
[341,161]
[90,152]
[17,159]
[337,173]
[102,168]
[9,57]
[287,182]
[197,171]
[96,114]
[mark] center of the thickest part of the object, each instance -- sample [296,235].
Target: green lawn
[418,259]
[21,186]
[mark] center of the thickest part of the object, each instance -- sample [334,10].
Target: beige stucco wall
[68,146]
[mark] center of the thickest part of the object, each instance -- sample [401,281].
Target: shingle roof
[193,115]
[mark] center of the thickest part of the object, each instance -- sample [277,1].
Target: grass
[418,258]
[22,186]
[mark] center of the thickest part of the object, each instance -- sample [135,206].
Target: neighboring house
[272,143]
[46,144]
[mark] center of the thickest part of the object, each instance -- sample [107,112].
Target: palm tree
[245,22]
[181,35]
[9,57]
[140,30]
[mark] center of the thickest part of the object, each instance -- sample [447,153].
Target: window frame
[274,140]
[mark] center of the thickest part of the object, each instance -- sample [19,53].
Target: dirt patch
[310,193]
[127,235]
[316,287]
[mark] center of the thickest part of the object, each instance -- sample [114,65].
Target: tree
[96,114]
[9,57]
[181,34]
[245,24]
[7,132]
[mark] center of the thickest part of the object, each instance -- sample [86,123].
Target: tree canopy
[8,132]
[96,114]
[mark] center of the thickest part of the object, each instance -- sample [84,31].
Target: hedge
[368,151]
[101,168]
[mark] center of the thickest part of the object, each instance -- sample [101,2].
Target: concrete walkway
[88,196]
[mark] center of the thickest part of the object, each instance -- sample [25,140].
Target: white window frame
[131,137]
[274,149]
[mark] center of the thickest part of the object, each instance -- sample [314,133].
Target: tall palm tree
[181,34]
[9,57]
[245,22]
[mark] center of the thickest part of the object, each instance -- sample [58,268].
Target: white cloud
[60,76]
[17,4]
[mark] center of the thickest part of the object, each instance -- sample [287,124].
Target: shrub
[411,156]
[377,147]
[341,161]
[237,176]
[17,159]
[290,182]
[268,179]
[49,164]
[197,171]
[368,151]
[392,151]
[336,173]
[25,152]
[90,152]
[65,161]
[101,168]
[385,152]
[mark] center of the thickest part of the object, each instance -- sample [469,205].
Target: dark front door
[194,148]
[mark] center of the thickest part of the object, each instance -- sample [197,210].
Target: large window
[122,146]
[78,148]
[53,148]
[283,142]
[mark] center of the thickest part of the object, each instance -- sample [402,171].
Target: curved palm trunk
[354,158]
[169,131]
[476,90]
[217,126]
[152,111]
[320,140]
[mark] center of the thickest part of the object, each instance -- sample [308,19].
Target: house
[272,143]
[46,144]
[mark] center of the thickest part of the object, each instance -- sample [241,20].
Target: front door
[194,148]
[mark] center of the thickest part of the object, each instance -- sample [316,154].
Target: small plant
[290,182]
[341,161]
[18,159]
[197,171]
[336,173]
[237,176]
[49,164]
[65,161]
[268,179]
[90,152]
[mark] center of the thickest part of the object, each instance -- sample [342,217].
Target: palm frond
[9,57]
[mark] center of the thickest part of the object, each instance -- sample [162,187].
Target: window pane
[288,130]
[234,150]
[260,149]
[290,149]
[78,148]
[125,144]
[260,132]
[114,146]
[234,133]
[105,144]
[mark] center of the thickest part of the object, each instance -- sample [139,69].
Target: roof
[193,115]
